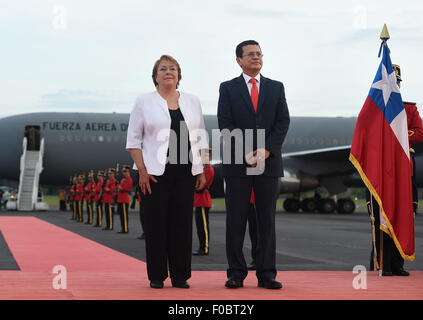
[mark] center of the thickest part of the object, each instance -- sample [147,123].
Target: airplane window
[100,138]
[313,141]
[321,141]
[62,138]
[77,138]
[69,138]
[292,141]
[85,138]
[306,141]
[299,141]
[328,141]
[116,138]
[335,142]
[93,138]
[109,139]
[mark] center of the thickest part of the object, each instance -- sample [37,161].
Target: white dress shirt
[249,84]
[149,130]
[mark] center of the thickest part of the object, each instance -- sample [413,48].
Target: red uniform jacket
[108,194]
[98,187]
[203,199]
[414,123]
[88,189]
[72,192]
[123,194]
[79,191]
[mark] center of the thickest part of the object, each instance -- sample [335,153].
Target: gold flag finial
[385,34]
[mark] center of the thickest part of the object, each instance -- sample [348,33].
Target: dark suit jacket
[236,111]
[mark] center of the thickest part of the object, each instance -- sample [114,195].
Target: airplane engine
[294,183]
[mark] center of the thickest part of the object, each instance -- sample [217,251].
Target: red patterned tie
[254,93]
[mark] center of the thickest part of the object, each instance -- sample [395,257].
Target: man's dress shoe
[180,284]
[233,283]
[156,284]
[401,272]
[199,252]
[270,284]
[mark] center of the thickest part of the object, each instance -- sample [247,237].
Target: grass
[218,203]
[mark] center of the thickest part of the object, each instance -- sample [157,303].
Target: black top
[178,154]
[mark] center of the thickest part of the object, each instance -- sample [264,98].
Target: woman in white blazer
[166,136]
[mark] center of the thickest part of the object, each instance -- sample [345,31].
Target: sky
[97,56]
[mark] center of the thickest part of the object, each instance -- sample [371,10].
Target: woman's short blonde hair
[156,66]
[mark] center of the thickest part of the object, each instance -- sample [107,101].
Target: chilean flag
[380,153]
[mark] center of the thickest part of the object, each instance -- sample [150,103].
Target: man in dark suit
[252,107]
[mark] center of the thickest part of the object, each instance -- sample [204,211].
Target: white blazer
[149,130]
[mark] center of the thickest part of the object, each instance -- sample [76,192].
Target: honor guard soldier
[72,196]
[108,193]
[415,134]
[123,198]
[88,190]
[385,254]
[80,196]
[202,205]
[62,199]
[98,196]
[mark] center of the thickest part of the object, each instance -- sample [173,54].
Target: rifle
[71,183]
[101,192]
[116,189]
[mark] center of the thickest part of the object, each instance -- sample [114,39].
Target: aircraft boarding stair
[30,169]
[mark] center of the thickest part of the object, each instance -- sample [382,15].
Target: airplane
[315,153]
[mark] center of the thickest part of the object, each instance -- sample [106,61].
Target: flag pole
[384,36]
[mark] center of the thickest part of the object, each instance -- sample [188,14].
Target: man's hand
[257,157]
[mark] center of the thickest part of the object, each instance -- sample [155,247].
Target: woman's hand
[145,181]
[201,182]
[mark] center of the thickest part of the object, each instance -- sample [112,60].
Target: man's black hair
[239,47]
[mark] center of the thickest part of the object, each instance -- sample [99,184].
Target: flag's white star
[387,84]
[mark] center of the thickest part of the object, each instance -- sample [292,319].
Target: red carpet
[96,272]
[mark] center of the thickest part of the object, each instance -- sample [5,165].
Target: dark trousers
[89,211]
[80,204]
[99,210]
[74,210]
[123,212]
[238,193]
[62,205]
[252,230]
[142,216]
[108,212]
[168,226]
[203,230]
[392,260]
[414,184]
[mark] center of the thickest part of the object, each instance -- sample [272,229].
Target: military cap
[397,70]
[81,176]
[111,170]
[91,174]
[126,167]
[100,173]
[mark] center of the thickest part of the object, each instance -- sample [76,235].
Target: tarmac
[311,242]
